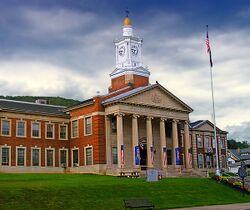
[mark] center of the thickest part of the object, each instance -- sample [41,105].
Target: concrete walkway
[238,206]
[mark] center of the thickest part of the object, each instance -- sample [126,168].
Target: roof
[79,105]
[139,90]
[31,108]
[198,123]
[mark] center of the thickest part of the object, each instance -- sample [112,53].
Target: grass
[77,191]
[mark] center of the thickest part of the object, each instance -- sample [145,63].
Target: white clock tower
[129,55]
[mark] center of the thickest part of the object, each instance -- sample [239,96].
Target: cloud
[239,131]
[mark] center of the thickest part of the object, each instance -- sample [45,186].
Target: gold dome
[127,22]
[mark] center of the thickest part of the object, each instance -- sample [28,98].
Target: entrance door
[143,154]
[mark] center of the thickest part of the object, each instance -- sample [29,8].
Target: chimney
[41,101]
[238,150]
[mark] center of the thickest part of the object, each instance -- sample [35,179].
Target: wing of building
[136,126]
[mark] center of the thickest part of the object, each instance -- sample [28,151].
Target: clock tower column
[129,70]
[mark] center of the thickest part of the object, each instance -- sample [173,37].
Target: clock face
[121,51]
[134,50]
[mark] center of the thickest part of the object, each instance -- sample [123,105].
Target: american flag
[165,156]
[122,154]
[209,49]
[152,155]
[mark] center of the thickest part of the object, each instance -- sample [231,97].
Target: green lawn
[77,191]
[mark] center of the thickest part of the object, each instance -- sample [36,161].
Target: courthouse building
[136,126]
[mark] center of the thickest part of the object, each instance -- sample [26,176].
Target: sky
[65,48]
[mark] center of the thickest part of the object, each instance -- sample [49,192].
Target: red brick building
[136,126]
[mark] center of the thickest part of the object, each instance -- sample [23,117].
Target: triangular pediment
[206,127]
[157,97]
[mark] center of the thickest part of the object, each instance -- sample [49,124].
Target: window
[208,161]
[49,157]
[88,156]
[113,125]
[199,142]
[75,157]
[214,161]
[63,158]
[74,129]
[207,142]
[88,125]
[35,157]
[5,129]
[49,131]
[20,157]
[35,132]
[200,161]
[222,142]
[21,129]
[114,155]
[63,132]
[5,151]
[214,143]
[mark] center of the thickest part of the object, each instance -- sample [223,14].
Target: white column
[108,141]
[187,145]
[135,138]
[163,142]
[194,151]
[119,122]
[175,142]
[149,142]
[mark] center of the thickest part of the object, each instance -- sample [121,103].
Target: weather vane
[127,12]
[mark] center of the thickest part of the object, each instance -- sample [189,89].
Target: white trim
[5,146]
[75,148]
[71,123]
[59,131]
[25,128]
[53,131]
[21,147]
[9,120]
[85,154]
[46,150]
[84,122]
[67,156]
[36,137]
[31,161]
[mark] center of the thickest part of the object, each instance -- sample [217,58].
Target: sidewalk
[238,206]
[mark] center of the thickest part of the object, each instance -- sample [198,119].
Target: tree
[233,144]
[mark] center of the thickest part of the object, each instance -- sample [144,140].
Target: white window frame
[36,137]
[77,134]
[67,156]
[46,151]
[9,120]
[200,154]
[72,164]
[25,154]
[25,128]
[207,140]
[59,131]
[5,146]
[85,155]
[199,137]
[53,131]
[85,118]
[39,148]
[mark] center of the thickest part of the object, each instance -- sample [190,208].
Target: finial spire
[127,12]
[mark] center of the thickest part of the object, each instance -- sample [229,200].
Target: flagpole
[214,122]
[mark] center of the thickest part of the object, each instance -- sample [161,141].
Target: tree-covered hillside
[50,100]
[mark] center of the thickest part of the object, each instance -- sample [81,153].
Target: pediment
[158,97]
[206,127]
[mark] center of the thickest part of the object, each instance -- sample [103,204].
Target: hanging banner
[165,163]
[137,155]
[122,154]
[177,156]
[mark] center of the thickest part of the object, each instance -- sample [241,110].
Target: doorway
[143,153]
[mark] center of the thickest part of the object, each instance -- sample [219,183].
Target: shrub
[237,184]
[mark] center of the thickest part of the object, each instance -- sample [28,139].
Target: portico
[139,123]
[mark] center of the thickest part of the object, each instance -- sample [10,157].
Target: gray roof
[198,123]
[32,108]
[123,95]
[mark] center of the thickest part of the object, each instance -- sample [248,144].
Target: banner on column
[152,154]
[122,154]
[165,156]
[177,155]
[137,155]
